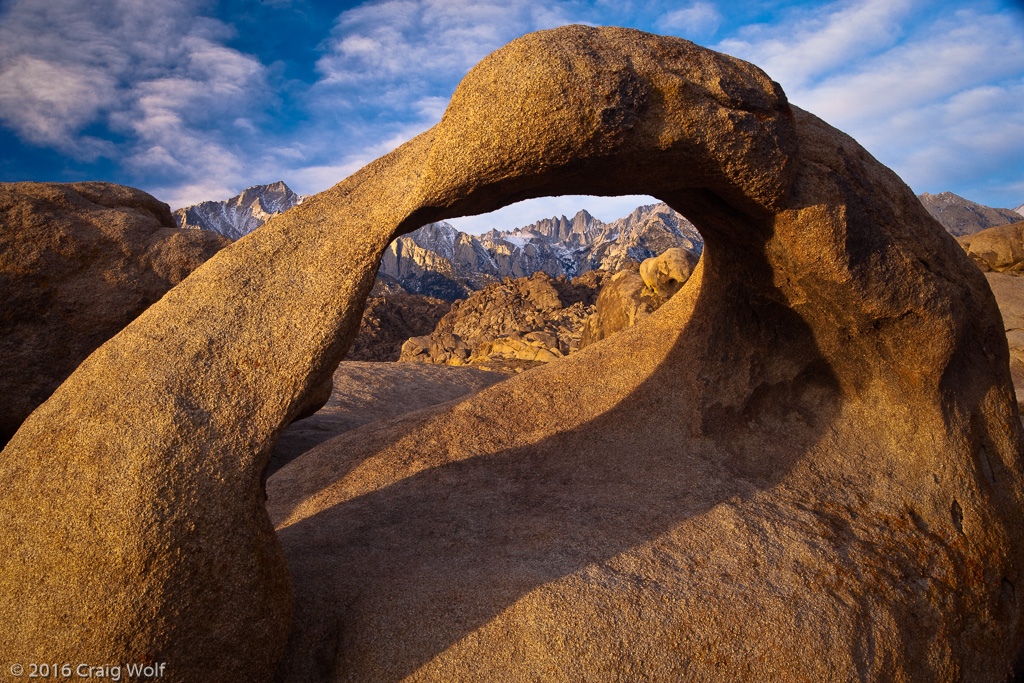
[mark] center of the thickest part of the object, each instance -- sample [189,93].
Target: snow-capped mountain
[441,261]
[243,213]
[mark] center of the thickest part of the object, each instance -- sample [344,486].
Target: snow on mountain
[243,213]
[441,261]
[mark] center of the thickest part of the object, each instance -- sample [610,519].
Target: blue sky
[198,99]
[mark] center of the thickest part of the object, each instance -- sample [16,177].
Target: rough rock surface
[805,466]
[367,392]
[78,262]
[624,300]
[666,273]
[390,320]
[999,249]
[962,216]
[537,318]
[1009,292]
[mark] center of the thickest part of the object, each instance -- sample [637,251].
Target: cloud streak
[159,91]
[153,79]
[935,103]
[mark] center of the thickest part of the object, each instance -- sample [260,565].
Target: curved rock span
[807,465]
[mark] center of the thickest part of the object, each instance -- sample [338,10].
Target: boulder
[806,465]
[78,262]
[999,249]
[624,300]
[531,319]
[666,273]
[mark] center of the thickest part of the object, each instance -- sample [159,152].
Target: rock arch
[834,374]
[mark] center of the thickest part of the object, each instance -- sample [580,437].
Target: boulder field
[805,466]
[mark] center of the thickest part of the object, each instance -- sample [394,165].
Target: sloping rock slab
[367,392]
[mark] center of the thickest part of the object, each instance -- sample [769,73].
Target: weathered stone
[367,392]
[666,273]
[78,262]
[805,466]
[624,301]
[999,249]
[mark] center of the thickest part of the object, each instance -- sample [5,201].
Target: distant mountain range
[963,217]
[243,213]
[441,261]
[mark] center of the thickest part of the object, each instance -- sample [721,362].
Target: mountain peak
[241,214]
[962,216]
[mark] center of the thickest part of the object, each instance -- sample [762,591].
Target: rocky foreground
[805,465]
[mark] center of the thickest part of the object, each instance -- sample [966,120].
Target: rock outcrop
[805,466]
[536,318]
[623,302]
[631,295]
[962,216]
[666,273]
[78,262]
[390,320]
[999,249]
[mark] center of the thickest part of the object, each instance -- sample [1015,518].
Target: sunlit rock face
[78,262]
[805,466]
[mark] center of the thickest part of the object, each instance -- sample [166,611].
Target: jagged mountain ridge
[962,216]
[243,213]
[442,261]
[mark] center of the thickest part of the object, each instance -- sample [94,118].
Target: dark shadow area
[427,560]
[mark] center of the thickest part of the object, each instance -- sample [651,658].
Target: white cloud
[48,103]
[940,104]
[699,19]
[432,40]
[177,196]
[151,72]
[821,41]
